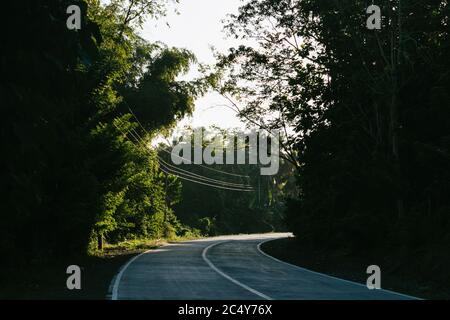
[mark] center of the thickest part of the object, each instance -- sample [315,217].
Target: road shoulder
[353,267]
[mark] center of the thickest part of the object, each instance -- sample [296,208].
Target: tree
[348,100]
[73,167]
[227,198]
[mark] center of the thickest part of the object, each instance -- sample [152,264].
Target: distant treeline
[242,201]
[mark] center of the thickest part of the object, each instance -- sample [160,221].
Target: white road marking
[325,275]
[262,295]
[117,279]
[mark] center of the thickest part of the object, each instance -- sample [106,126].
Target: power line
[212,169]
[167,170]
[140,140]
[203,183]
[206,178]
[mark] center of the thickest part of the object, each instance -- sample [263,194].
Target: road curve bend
[230,268]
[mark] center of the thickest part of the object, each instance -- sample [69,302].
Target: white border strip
[205,251]
[116,280]
[325,275]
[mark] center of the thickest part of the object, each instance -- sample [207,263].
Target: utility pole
[259,190]
[166,231]
[99,241]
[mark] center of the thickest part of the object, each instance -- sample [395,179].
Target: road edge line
[323,274]
[114,285]
[212,266]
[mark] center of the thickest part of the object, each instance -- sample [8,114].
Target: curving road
[229,268]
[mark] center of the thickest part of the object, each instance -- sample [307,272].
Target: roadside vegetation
[81,180]
[406,275]
[364,117]
[367,117]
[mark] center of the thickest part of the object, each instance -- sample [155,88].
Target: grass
[129,247]
[411,276]
[48,281]
[138,245]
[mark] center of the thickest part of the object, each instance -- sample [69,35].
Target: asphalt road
[232,267]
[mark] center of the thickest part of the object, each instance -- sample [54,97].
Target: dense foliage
[70,170]
[366,112]
[80,111]
[227,209]
[364,116]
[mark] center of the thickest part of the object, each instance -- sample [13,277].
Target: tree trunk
[396,42]
[100,241]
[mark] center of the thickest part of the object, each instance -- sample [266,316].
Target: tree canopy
[365,113]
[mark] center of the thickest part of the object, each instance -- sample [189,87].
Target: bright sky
[197,27]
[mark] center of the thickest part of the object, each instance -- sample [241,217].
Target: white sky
[197,27]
